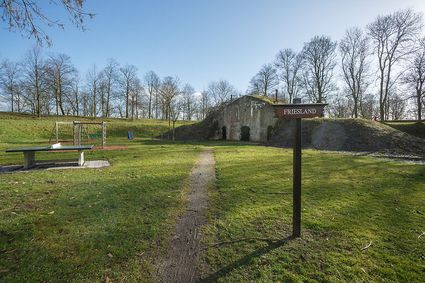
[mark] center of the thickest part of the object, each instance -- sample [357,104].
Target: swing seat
[94,136]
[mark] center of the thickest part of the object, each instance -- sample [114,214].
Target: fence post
[103,134]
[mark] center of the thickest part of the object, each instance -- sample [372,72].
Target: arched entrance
[224,133]
[244,133]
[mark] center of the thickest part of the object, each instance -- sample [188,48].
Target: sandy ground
[182,261]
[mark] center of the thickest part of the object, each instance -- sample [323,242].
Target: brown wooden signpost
[298,111]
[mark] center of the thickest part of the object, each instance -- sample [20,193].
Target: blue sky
[200,41]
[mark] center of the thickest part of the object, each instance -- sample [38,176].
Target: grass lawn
[86,225]
[93,224]
[348,203]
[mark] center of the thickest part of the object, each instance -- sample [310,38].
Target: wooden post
[296,111]
[103,134]
[74,138]
[296,200]
[79,130]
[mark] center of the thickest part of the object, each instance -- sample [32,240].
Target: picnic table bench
[29,152]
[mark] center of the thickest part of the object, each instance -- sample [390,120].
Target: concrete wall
[249,111]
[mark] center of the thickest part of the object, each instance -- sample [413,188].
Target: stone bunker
[248,118]
[252,118]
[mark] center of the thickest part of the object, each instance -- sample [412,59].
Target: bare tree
[368,107]
[26,17]
[414,77]
[33,69]
[393,37]
[206,104]
[10,83]
[76,95]
[60,74]
[129,75]
[289,65]
[176,108]
[265,81]
[396,105]
[339,107]
[136,92]
[319,63]
[188,101]
[92,79]
[168,91]
[220,92]
[152,82]
[354,52]
[111,81]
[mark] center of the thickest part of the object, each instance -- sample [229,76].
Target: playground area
[20,131]
[78,132]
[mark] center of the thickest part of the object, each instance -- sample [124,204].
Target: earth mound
[356,135]
[349,135]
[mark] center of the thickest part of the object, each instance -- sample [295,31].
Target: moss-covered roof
[266,99]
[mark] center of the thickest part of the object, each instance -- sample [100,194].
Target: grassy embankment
[93,224]
[416,129]
[348,203]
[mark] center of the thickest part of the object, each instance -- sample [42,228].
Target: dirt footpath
[181,262]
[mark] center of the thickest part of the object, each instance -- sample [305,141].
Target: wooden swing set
[79,129]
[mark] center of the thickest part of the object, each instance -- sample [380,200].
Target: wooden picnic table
[29,152]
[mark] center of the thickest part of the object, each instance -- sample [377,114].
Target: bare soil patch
[110,147]
[181,262]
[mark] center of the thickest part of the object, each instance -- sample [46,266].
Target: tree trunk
[381,98]
[56,102]
[60,95]
[126,101]
[150,105]
[356,108]
[137,107]
[77,103]
[12,98]
[94,101]
[37,93]
[419,102]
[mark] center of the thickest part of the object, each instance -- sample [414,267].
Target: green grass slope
[349,135]
[416,129]
[22,128]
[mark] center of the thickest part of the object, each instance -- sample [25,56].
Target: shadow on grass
[246,260]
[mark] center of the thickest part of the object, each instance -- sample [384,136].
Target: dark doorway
[244,133]
[224,133]
[269,132]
